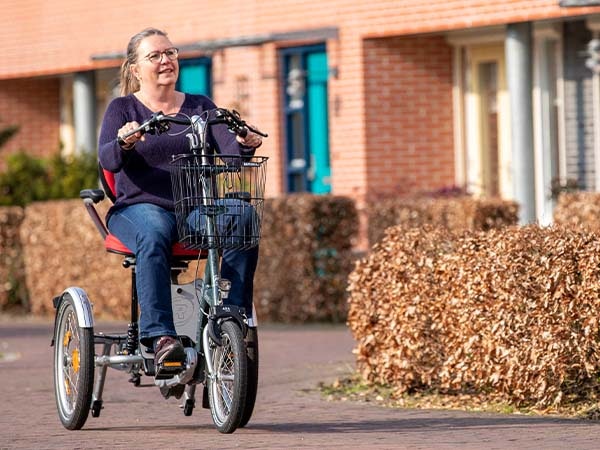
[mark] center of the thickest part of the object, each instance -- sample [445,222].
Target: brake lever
[257,131]
[234,121]
[162,127]
[244,124]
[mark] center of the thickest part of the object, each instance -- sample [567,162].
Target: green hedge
[28,178]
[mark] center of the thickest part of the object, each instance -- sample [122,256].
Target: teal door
[307,119]
[194,76]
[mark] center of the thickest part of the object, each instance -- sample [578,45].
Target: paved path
[290,412]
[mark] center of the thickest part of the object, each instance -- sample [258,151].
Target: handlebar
[160,123]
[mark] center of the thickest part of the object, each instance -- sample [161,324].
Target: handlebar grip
[148,126]
[121,139]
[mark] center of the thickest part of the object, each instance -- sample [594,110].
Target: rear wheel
[227,388]
[252,359]
[73,366]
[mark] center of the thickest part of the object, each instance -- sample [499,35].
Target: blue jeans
[150,231]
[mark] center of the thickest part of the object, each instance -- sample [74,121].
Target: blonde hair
[128,82]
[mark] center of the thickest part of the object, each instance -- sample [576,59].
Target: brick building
[359,98]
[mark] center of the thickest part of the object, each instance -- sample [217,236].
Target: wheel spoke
[225,375]
[72,383]
[71,348]
[226,397]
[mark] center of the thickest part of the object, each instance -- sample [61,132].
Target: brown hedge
[510,313]
[578,209]
[62,248]
[13,291]
[454,213]
[305,258]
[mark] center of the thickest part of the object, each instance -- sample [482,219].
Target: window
[194,76]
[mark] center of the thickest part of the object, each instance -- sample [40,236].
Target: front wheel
[73,366]
[228,386]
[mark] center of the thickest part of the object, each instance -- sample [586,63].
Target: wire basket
[219,200]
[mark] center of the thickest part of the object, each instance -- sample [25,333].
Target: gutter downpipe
[519,57]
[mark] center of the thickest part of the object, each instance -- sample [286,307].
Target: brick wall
[36,40]
[33,104]
[408,92]
[417,90]
[245,79]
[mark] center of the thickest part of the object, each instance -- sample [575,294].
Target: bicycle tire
[252,359]
[73,367]
[227,388]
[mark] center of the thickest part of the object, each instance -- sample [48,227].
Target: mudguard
[225,312]
[83,306]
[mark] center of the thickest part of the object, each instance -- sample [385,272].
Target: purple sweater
[142,174]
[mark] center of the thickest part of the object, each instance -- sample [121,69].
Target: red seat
[114,245]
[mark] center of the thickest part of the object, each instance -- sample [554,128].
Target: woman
[142,216]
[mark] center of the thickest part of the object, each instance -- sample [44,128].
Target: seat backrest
[107,179]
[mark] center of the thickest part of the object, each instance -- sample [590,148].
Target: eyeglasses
[156,57]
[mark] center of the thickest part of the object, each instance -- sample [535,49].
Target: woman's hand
[130,141]
[251,140]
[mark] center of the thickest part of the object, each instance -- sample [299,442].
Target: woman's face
[162,72]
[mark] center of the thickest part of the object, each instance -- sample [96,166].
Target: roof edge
[242,41]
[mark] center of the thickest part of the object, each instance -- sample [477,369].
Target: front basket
[219,200]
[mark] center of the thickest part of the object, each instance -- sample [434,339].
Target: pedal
[168,369]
